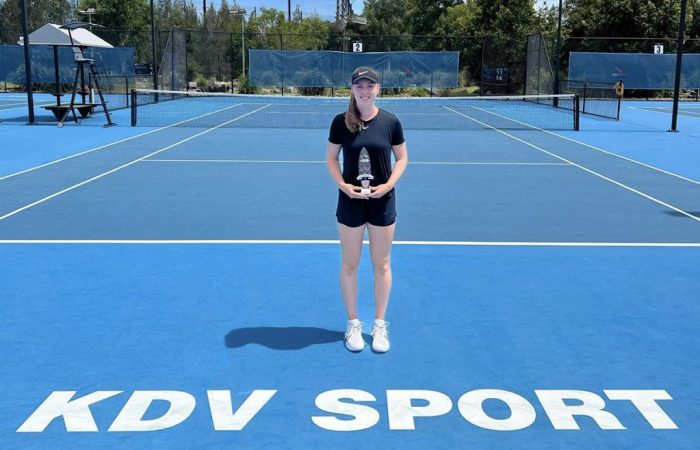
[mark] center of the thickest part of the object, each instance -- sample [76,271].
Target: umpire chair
[85,109]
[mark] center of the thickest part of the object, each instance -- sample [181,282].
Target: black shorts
[380,212]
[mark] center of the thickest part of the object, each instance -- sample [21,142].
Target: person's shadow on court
[282,338]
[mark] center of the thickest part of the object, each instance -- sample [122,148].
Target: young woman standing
[368,136]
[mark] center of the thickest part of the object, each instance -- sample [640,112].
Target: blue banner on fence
[333,69]
[635,70]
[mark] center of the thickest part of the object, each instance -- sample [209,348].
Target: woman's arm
[401,156]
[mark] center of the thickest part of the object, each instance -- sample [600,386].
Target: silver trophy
[365,172]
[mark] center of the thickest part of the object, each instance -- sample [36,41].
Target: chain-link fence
[487,65]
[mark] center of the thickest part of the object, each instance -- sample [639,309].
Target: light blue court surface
[177,288]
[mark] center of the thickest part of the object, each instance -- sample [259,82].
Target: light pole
[153,50]
[241,12]
[679,66]
[27,61]
[557,65]
[89,12]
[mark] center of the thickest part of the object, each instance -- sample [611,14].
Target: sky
[324,8]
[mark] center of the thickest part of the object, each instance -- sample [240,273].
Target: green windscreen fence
[332,69]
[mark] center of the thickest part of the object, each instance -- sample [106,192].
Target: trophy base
[364,191]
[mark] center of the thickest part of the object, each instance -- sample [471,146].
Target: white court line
[631,189]
[609,153]
[436,163]
[646,109]
[232,161]
[75,186]
[666,111]
[114,143]
[686,113]
[2,107]
[486,163]
[648,166]
[14,104]
[337,242]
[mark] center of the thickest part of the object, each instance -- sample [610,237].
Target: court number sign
[658,49]
[357,47]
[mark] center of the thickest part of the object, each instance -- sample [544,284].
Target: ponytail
[352,117]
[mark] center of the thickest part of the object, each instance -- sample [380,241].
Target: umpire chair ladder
[81,61]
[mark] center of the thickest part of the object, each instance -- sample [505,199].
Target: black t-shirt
[379,134]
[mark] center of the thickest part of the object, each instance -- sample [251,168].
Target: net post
[619,93]
[576,112]
[585,95]
[133,107]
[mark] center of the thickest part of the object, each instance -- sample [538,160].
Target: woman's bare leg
[351,250]
[380,240]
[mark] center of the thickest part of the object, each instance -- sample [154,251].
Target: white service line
[126,165]
[622,185]
[115,143]
[436,163]
[337,242]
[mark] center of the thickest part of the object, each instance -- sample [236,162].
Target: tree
[177,13]
[426,14]
[266,29]
[297,15]
[694,25]
[459,19]
[459,23]
[121,15]
[387,19]
[506,17]
[39,13]
[309,33]
[652,19]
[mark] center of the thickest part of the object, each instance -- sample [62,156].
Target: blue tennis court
[177,287]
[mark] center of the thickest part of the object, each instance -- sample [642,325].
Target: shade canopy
[52,34]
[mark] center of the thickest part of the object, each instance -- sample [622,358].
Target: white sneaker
[380,336]
[353,336]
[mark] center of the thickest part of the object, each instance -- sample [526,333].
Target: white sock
[379,323]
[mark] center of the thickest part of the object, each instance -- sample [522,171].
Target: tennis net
[151,108]
[597,98]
